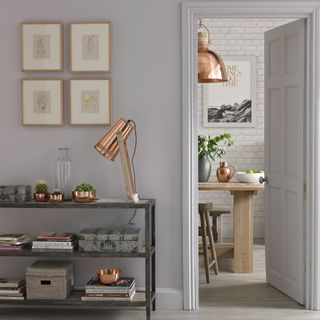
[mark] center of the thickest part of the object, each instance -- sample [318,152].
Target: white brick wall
[241,37]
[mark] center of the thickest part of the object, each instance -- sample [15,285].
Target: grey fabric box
[15,193]
[51,280]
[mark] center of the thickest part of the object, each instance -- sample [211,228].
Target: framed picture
[232,103]
[90,101]
[42,46]
[90,47]
[42,102]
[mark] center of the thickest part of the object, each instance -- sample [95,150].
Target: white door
[284,155]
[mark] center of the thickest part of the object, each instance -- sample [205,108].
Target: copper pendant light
[211,68]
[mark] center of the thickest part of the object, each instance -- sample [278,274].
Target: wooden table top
[230,186]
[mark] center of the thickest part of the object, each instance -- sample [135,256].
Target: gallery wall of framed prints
[89,52]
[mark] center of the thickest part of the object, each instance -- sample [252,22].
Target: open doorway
[225,110]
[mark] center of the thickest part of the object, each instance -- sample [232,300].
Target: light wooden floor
[229,296]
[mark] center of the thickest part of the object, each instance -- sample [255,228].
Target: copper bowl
[84,196]
[109,276]
[56,197]
[41,197]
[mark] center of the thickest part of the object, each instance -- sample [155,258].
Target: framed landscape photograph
[90,47]
[90,101]
[41,46]
[232,103]
[42,102]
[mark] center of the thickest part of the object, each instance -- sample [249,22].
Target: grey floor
[229,296]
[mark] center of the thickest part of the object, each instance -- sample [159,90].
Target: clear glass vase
[63,173]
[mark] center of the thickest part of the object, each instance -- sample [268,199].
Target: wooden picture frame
[90,47]
[90,101]
[232,104]
[42,102]
[42,46]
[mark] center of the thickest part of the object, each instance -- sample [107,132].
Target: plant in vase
[56,196]
[211,148]
[41,191]
[84,192]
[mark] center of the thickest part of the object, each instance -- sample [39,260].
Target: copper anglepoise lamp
[211,68]
[113,142]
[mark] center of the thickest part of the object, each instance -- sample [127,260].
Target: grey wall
[146,87]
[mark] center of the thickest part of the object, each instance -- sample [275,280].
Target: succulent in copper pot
[41,191]
[56,196]
[84,192]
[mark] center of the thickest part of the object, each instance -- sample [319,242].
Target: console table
[145,299]
[242,249]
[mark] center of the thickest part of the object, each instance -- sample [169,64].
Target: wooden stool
[216,213]
[206,230]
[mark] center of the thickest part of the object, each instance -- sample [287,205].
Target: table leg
[243,231]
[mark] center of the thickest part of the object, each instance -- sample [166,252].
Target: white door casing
[191,11]
[284,158]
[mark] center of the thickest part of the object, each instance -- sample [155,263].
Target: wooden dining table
[241,250]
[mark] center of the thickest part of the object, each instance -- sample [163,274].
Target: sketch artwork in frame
[90,47]
[42,46]
[232,103]
[90,101]
[42,102]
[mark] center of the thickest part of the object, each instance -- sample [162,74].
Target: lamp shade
[108,146]
[211,68]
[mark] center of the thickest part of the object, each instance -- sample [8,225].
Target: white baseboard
[168,298]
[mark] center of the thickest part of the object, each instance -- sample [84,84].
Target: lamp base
[135,197]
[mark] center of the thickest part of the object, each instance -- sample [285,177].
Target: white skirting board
[168,298]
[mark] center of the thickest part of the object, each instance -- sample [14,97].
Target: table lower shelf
[139,300]
[74,254]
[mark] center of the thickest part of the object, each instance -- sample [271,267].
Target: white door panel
[284,116]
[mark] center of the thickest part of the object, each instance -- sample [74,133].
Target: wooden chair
[206,230]
[216,214]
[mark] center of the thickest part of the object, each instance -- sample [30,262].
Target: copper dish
[41,197]
[84,196]
[109,276]
[56,197]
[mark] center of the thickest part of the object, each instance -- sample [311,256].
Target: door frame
[191,11]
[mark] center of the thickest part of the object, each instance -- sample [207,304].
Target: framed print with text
[232,103]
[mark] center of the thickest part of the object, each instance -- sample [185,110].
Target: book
[87,298]
[110,294]
[123,285]
[56,236]
[14,292]
[11,298]
[11,283]
[51,250]
[53,244]
[12,236]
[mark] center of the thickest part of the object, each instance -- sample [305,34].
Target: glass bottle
[63,173]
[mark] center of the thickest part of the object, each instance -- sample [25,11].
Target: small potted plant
[41,191]
[84,192]
[56,196]
[211,147]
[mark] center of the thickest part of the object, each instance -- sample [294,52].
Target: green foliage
[213,147]
[84,187]
[56,192]
[254,171]
[41,187]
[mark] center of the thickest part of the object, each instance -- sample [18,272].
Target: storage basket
[51,280]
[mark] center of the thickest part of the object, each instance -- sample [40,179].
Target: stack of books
[55,241]
[14,242]
[123,290]
[12,289]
